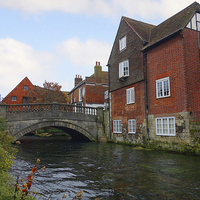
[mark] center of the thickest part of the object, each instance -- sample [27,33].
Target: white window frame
[131,126]
[14,98]
[165,126]
[117,126]
[122,43]
[25,87]
[124,68]
[161,90]
[130,95]
[194,22]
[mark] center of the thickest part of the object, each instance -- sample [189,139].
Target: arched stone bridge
[78,121]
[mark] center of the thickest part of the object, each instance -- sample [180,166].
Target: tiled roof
[173,24]
[142,29]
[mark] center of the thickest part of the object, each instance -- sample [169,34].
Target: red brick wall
[120,110]
[167,60]
[95,94]
[192,71]
[19,92]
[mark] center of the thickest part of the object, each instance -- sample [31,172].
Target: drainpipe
[108,65]
[146,87]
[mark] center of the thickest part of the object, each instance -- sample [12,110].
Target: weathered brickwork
[120,110]
[192,61]
[167,60]
[19,92]
[178,59]
[95,94]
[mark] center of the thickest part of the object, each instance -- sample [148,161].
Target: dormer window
[194,23]
[122,43]
[124,69]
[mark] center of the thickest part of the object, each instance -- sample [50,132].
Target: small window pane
[117,128]
[131,125]
[14,98]
[122,43]
[25,87]
[124,68]
[130,95]
[162,88]
[165,126]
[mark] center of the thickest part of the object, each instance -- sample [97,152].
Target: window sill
[123,78]
[131,133]
[130,103]
[166,135]
[162,97]
[122,50]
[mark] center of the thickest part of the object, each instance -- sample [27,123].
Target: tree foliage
[51,92]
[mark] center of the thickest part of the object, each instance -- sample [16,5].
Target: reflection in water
[108,171]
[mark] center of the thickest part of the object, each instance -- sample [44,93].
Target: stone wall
[182,128]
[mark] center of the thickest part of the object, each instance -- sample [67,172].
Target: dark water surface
[107,171]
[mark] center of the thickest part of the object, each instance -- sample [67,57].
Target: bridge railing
[41,107]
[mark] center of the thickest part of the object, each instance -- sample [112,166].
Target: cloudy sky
[54,40]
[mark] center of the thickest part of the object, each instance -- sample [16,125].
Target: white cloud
[85,53]
[18,60]
[146,9]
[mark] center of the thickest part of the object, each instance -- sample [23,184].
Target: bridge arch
[75,131]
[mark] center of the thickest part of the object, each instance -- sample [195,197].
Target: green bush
[6,159]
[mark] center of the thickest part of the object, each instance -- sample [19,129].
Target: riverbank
[179,148]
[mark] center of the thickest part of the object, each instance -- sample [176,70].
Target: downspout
[108,65]
[146,88]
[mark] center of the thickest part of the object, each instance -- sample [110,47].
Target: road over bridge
[81,123]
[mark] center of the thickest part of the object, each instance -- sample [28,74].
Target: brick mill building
[154,79]
[90,91]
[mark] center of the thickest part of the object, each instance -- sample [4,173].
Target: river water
[107,171]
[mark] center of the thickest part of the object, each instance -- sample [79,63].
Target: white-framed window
[25,87]
[194,23]
[131,126]
[122,43]
[162,87]
[130,95]
[117,126]
[165,126]
[14,98]
[124,68]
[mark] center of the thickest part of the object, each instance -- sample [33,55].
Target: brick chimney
[77,80]
[98,72]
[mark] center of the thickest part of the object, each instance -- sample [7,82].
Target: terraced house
[90,91]
[154,79]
